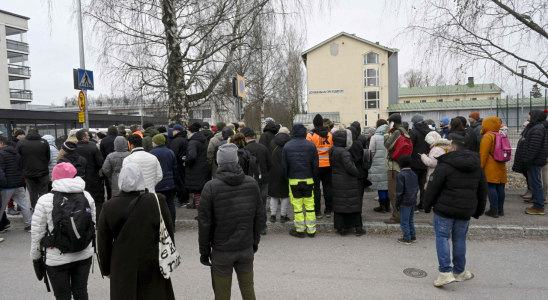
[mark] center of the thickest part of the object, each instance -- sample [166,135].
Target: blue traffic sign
[85,79]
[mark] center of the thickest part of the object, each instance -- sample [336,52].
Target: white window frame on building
[374,56]
[378,117]
[368,100]
[473,99]
[365,123]
[406,101]
[375,78]
[456,99]
[439,100]
[422,101]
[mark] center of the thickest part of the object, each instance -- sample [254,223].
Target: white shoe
[466,275]
[444,278]
[1,240]
[376,198]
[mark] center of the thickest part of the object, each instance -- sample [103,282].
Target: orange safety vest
[323,144]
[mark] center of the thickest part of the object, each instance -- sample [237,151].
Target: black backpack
[73,224]
[250,164]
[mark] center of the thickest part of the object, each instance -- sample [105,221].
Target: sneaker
[416,210]
[311,235]
[327,214]
[527,194]
[191,206]
[444,278]
[263,232]
[12,211]
[319,216]
[2,231]
[376,198]
[295,233]
[27,229]
[492,213]
[529,200]
[392,221]
[272,219]
[360,231]
[420,207]
[1,240]
[404,241]
[284,219]
[7,226]
[413,239]
[179,204]
[532,211]
[501,212]
[466,275]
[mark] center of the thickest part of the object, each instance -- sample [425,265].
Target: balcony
[23,95]
[18,46]
[18,70]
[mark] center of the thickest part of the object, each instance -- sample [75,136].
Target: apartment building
[14,60]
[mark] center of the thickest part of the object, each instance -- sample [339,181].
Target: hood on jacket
[271,127]
[422,127]
[180,133]
[231,174]
[10,149]
[299,131]
[281,139]
[443,143]
[131,178]
[120,144]
[462,160]
[50,139]
[357,125]
[490,124]
[536,117]
[432,137]
[227,132]
[342,138]
[354,132]
[151,131]
[381,130]
[69,185]
[32,135]
[477,123]
[198,136]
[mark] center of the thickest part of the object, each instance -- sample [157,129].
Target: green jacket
[390,138]
[147,138]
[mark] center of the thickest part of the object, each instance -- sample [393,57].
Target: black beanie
[162,129]
[396,118]
[236,125]
[18,133]
[69,147]
[249,133]
[195,127]
[147,125]
[404,161]
[318,120]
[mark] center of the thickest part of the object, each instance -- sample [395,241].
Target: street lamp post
[522,68]
[82,57]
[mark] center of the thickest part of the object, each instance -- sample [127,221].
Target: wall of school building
[446,98]
[345,71]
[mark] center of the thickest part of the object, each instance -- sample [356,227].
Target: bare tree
[492,36]
[418,78]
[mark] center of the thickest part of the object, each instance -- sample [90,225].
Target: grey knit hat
[417,118]
[227,154]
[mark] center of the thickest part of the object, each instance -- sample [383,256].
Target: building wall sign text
[326,92]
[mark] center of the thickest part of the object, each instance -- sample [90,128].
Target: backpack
[402,146]
[250,163]
[502,151]
[367,159]
[73,225]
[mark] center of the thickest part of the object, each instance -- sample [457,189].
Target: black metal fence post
[517,113]
[507,123]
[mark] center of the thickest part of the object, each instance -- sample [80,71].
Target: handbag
[169,258]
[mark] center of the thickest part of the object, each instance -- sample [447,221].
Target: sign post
[238,91]
[82,106]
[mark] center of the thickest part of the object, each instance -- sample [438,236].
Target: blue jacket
[167,160]
[443,131]
[407,188]
[300,156]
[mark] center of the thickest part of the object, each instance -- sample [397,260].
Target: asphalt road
[326,267]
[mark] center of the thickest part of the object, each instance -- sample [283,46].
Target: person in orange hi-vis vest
[321,137]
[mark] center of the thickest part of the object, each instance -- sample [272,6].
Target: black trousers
[37,186]
[70,280]
[182,192]
[323,178]
[421,175]
[169,194]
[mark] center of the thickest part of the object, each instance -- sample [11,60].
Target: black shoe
[343,231]
[360,231]
[404,241]
[492,213]
[501,212]
[263,232]
[272,219]
[27,229]
[191,206]
[381,208]
[420,207]
[311,235]
[387,205]
[196,218]
[284,219]
[327,213]
[413,239]
[295,233]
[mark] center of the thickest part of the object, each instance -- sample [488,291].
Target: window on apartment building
[423,101]
[378,116]
[372,99]
[365,120]
[371,58]
[406,101]
[456,99]
[439,100]
[491,98]
[473,98]
[371,77]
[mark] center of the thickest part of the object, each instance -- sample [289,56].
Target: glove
[204,259]
[39,268]
[526,165]
[255,248]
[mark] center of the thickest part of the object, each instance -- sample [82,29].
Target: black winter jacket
[269,132]
[300,157]
[471,139]
[532,147]
[452,133]
[458,188]
[362,138]
[477,129]
[10,162]
[196,167]
[35,155]
[344,178]
[80,163]
[3,181]
[107,145]
[179,146]
[357,153]
[208,134]
[94,184]
[278,185]
[407,188]
[417,135]
[231,212]
[263,157]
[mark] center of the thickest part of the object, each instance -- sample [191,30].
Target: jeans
[37,186]
[535,184]
[19,196]
[70,279]
[264,195]
[496,196]
[456,230]
[407,215]
[544,181]
[169,194]
[274,206]
[323,179]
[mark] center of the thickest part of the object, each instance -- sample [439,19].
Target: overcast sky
[54,46]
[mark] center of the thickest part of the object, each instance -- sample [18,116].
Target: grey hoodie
[114,161]
[53,152]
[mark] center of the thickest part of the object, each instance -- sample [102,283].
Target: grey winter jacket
[378,174]
[114,161]
[213,143]
[53,153]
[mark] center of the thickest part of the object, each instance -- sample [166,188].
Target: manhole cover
[416,273]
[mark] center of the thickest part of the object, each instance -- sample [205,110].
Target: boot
[492,213]
[381,207]
[387,204]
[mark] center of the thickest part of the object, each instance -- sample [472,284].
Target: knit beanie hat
[205,125]
[69,147]
[147,125]
[195,127]
[417,118]
[236,125]
[446,121]
[178,127]
[101,135]
[318,120]
[283,130]
[162,129]
[244,129]
[249,133]
[475,115]
[112,130]
[404,161]
[18,133]
[159,139]
[214,128]
[220,126]
[227,154]
[62,171]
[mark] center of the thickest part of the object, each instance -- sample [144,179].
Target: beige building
[14,57]
[352,76]
[448,93]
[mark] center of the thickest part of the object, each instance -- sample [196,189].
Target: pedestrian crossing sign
[85,80]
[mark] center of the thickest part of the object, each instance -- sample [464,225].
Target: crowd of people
[128,183]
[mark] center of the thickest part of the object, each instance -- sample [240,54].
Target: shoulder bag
[169,258]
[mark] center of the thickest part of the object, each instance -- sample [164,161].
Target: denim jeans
[456,230]
[264,195]
[407,215]
[496,196]
[535,184]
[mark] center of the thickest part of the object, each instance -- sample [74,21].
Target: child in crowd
[406,199]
